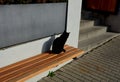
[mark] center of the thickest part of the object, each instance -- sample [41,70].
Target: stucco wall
[20,52]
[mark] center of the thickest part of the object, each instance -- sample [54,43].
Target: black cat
[58,43]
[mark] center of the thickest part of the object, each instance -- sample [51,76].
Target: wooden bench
[25,69]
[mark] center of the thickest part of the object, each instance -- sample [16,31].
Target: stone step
[94,42]
[84,24]
[91,32]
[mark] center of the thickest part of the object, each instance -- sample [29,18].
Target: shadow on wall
[47,45]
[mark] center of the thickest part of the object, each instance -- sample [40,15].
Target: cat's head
[65,34]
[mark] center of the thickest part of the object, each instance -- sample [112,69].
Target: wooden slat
[25,61]
[24,69]
[47,67]
[35,65]
[23,66]
[102,5]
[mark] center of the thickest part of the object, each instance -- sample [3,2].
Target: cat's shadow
[47,45]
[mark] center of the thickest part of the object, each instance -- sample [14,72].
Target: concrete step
[91,32]
[94,42]
[84,24]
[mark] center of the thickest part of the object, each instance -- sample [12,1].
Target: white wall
[20,52]
[74,16]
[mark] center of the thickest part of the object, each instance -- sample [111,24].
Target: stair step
[84,24]
[94,42]
[91,32]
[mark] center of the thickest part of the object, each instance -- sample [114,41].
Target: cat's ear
[64,50]
[67,32]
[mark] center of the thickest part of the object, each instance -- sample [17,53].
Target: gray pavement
[99,65]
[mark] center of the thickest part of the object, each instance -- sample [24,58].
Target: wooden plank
[101,5]
[26,61]
[35,65]
[14,72]
[47,66]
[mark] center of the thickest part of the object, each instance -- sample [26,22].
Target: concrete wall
[74,16]
[27,22]
[20,52]
[114,22]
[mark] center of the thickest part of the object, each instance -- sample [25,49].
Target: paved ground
[100,65]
